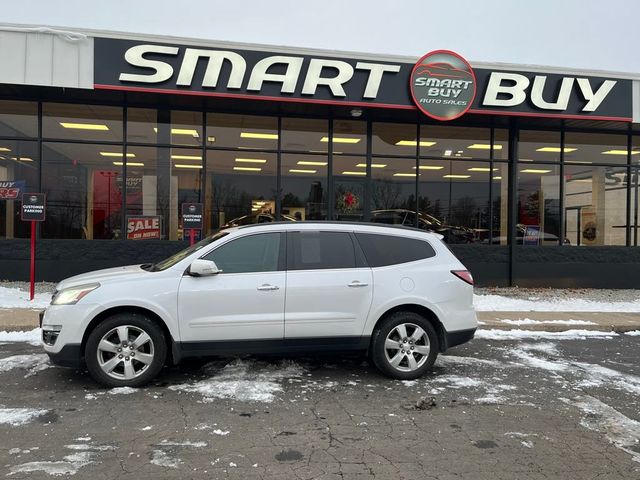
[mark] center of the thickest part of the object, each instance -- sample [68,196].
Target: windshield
[182,254]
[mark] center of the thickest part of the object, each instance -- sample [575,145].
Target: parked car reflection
[451,234]
[256,218]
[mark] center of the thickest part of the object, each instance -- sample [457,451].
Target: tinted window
[382,250]
[254,253]
[321,250]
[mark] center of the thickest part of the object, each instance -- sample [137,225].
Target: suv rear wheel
[125,350]
[404,345]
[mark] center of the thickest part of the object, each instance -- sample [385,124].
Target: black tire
[379,337]
[148,371]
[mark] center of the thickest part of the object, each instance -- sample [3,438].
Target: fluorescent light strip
[484,146]
[117,154]
[534,170]
[480,169]
[22,159]
[404,174]
[497,178]
[251,160]
[181,131]
[577,161]
[456,176]
[354,173]
[248,169]
[312,163]
[5,149]
[129,164]
[373,165]
[186,157]
[620,152]
[341,140]
[84,126]
[262,136]
[413,143]
[555,149]
[299,170]
[186,165]
[429,167]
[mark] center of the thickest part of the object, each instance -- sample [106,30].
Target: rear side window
[320,250]
[382,250]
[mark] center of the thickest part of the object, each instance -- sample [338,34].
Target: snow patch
[455,381]
[33,363]
[19,416]
[621,431]
[518,334]
[244,381]
[528,321]
[217,431]
[69,465]
[538,362]
[34,337]
[634,333]
[499,303]
[457,360]
[16,298]
[163,459]
[122,391]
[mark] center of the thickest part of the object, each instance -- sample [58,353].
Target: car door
[243,302]
[329,286]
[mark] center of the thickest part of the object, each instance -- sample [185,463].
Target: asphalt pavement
[492,409]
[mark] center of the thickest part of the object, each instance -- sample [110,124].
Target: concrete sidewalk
[25,319]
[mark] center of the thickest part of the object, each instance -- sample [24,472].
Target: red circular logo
[443,85]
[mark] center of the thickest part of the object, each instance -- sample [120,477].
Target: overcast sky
[592,34]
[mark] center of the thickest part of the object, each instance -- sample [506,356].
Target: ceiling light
[404,174]
[341,140]
[354,173]
[534,170]
[620,152]
[248,169]
[413,143]
[298,170]
[5,149]
[251,160]
[186,165]
[22,159]
[555,149]
[456,176]
[447,153]
[577,161]
[263,136]
[186,157]
[484,146]
[312,163]
[480,169]
[429,167]
[373,165]
[182,131]
[130,164]
[356,112]
[117,154]
[84,126]
[211,139]
[497,178]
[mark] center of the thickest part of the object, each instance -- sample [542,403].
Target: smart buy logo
[443,85]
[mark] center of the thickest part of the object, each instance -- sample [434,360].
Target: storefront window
[394,185]
[539,146]
[305,135]
[186,128]
[83,183]
[81,122]
[394,139]
[538,204]
[242,131]
[500,205]
[159,181]
[349,177]
[240,188]
[595,205]
[454,198]
[500,144]
[163,128]
[595,148]
[18,175]
[455,142]
[142,125]
[18,119]
[304,186]
[349,137]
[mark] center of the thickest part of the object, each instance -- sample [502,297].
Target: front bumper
[69,356]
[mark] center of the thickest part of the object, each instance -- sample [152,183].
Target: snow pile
[122,391]
[19,416]
[34,337]
[16,298]
[498,303]
[518,334]
[621,431]
[244,381]
[33,363]
[634,333]
[528,321]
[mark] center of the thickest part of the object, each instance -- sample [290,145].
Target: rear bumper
[69,356]
[458,337]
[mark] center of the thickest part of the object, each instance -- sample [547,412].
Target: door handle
[267,287]
[356,284]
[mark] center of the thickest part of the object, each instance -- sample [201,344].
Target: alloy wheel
[407,347]
[125,352]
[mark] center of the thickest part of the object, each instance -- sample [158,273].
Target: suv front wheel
[125,350]
[404,346]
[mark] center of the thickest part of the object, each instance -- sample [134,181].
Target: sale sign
[11,189]
[144,227]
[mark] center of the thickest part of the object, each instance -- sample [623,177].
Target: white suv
[397,293]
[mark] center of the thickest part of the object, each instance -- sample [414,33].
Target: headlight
[72,295]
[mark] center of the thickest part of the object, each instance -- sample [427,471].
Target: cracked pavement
[528,409]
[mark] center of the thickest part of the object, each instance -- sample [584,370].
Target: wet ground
[493,409]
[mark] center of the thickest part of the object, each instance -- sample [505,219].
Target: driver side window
[253,253]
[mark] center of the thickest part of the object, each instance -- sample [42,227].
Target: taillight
[464,275]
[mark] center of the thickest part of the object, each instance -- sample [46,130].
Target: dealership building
[530,173]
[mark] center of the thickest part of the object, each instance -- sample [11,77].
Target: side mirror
[203,268]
